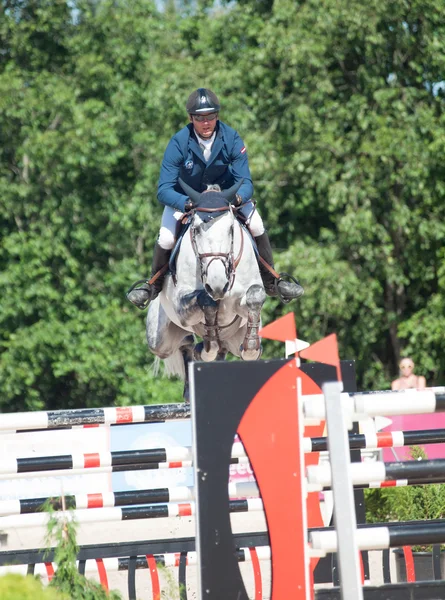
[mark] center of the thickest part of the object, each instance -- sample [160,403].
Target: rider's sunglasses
[202,118]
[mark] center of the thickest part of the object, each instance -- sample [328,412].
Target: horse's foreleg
[190,308]
[211,343]
[251,346]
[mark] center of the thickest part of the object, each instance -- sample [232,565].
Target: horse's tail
[174,365]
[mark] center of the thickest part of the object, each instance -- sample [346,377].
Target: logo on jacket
[189,165]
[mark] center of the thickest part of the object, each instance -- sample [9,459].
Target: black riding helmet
[201,101]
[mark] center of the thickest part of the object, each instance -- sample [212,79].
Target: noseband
[227,258]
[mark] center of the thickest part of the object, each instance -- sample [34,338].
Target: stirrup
[141,306]
[277,289]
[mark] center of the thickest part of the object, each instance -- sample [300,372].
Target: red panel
[409,562]
[271,437]
[388,484]
[91,460]
[95,501]
[175,465]
[102,573]
[49,570]
[362,568]
[256,574]
[155,588]
[124,414]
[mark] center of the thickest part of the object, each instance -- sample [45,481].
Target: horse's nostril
[225,288]
[208,289]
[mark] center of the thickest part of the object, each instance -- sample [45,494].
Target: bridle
[227,258]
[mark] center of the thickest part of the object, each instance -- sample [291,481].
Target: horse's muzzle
[216,293]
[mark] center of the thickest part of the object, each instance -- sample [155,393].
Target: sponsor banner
[102,439]
[412,423]
[151,435]
[161,435]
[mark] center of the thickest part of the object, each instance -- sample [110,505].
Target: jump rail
[125,513]
[361,403]
[114,499]
[319,476]
[158,458]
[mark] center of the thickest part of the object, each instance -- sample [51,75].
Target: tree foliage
[342,108]
[19,587]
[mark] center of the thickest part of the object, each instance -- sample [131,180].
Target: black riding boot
[142,295]
[288,290]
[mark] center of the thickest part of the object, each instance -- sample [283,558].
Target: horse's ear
[231,192]
[189,191]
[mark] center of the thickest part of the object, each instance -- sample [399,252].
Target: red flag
[280,330]
[324,351]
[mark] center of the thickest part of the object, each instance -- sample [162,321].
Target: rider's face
[204,124]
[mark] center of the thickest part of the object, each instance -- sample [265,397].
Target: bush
[409,503]
[67,579]
[19,587]
[67,583]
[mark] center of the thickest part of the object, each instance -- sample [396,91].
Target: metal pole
[344,507]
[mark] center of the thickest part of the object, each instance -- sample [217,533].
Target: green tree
[347,142]
[342,110]
[80,160]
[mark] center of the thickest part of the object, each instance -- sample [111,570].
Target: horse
[215,293]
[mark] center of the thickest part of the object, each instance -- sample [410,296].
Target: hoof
[200,354]
[251,354]
[209,356]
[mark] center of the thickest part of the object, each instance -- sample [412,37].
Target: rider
[206,152]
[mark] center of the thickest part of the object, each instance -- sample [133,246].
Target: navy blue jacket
[184,158]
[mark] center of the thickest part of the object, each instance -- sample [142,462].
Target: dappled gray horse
[216,292]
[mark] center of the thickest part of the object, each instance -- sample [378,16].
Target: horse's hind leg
[251,346]
[187,355]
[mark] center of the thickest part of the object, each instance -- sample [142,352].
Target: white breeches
[170,218]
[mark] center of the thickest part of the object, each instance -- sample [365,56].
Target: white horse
[217,293]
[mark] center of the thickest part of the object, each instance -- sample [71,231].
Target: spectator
[407,379]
